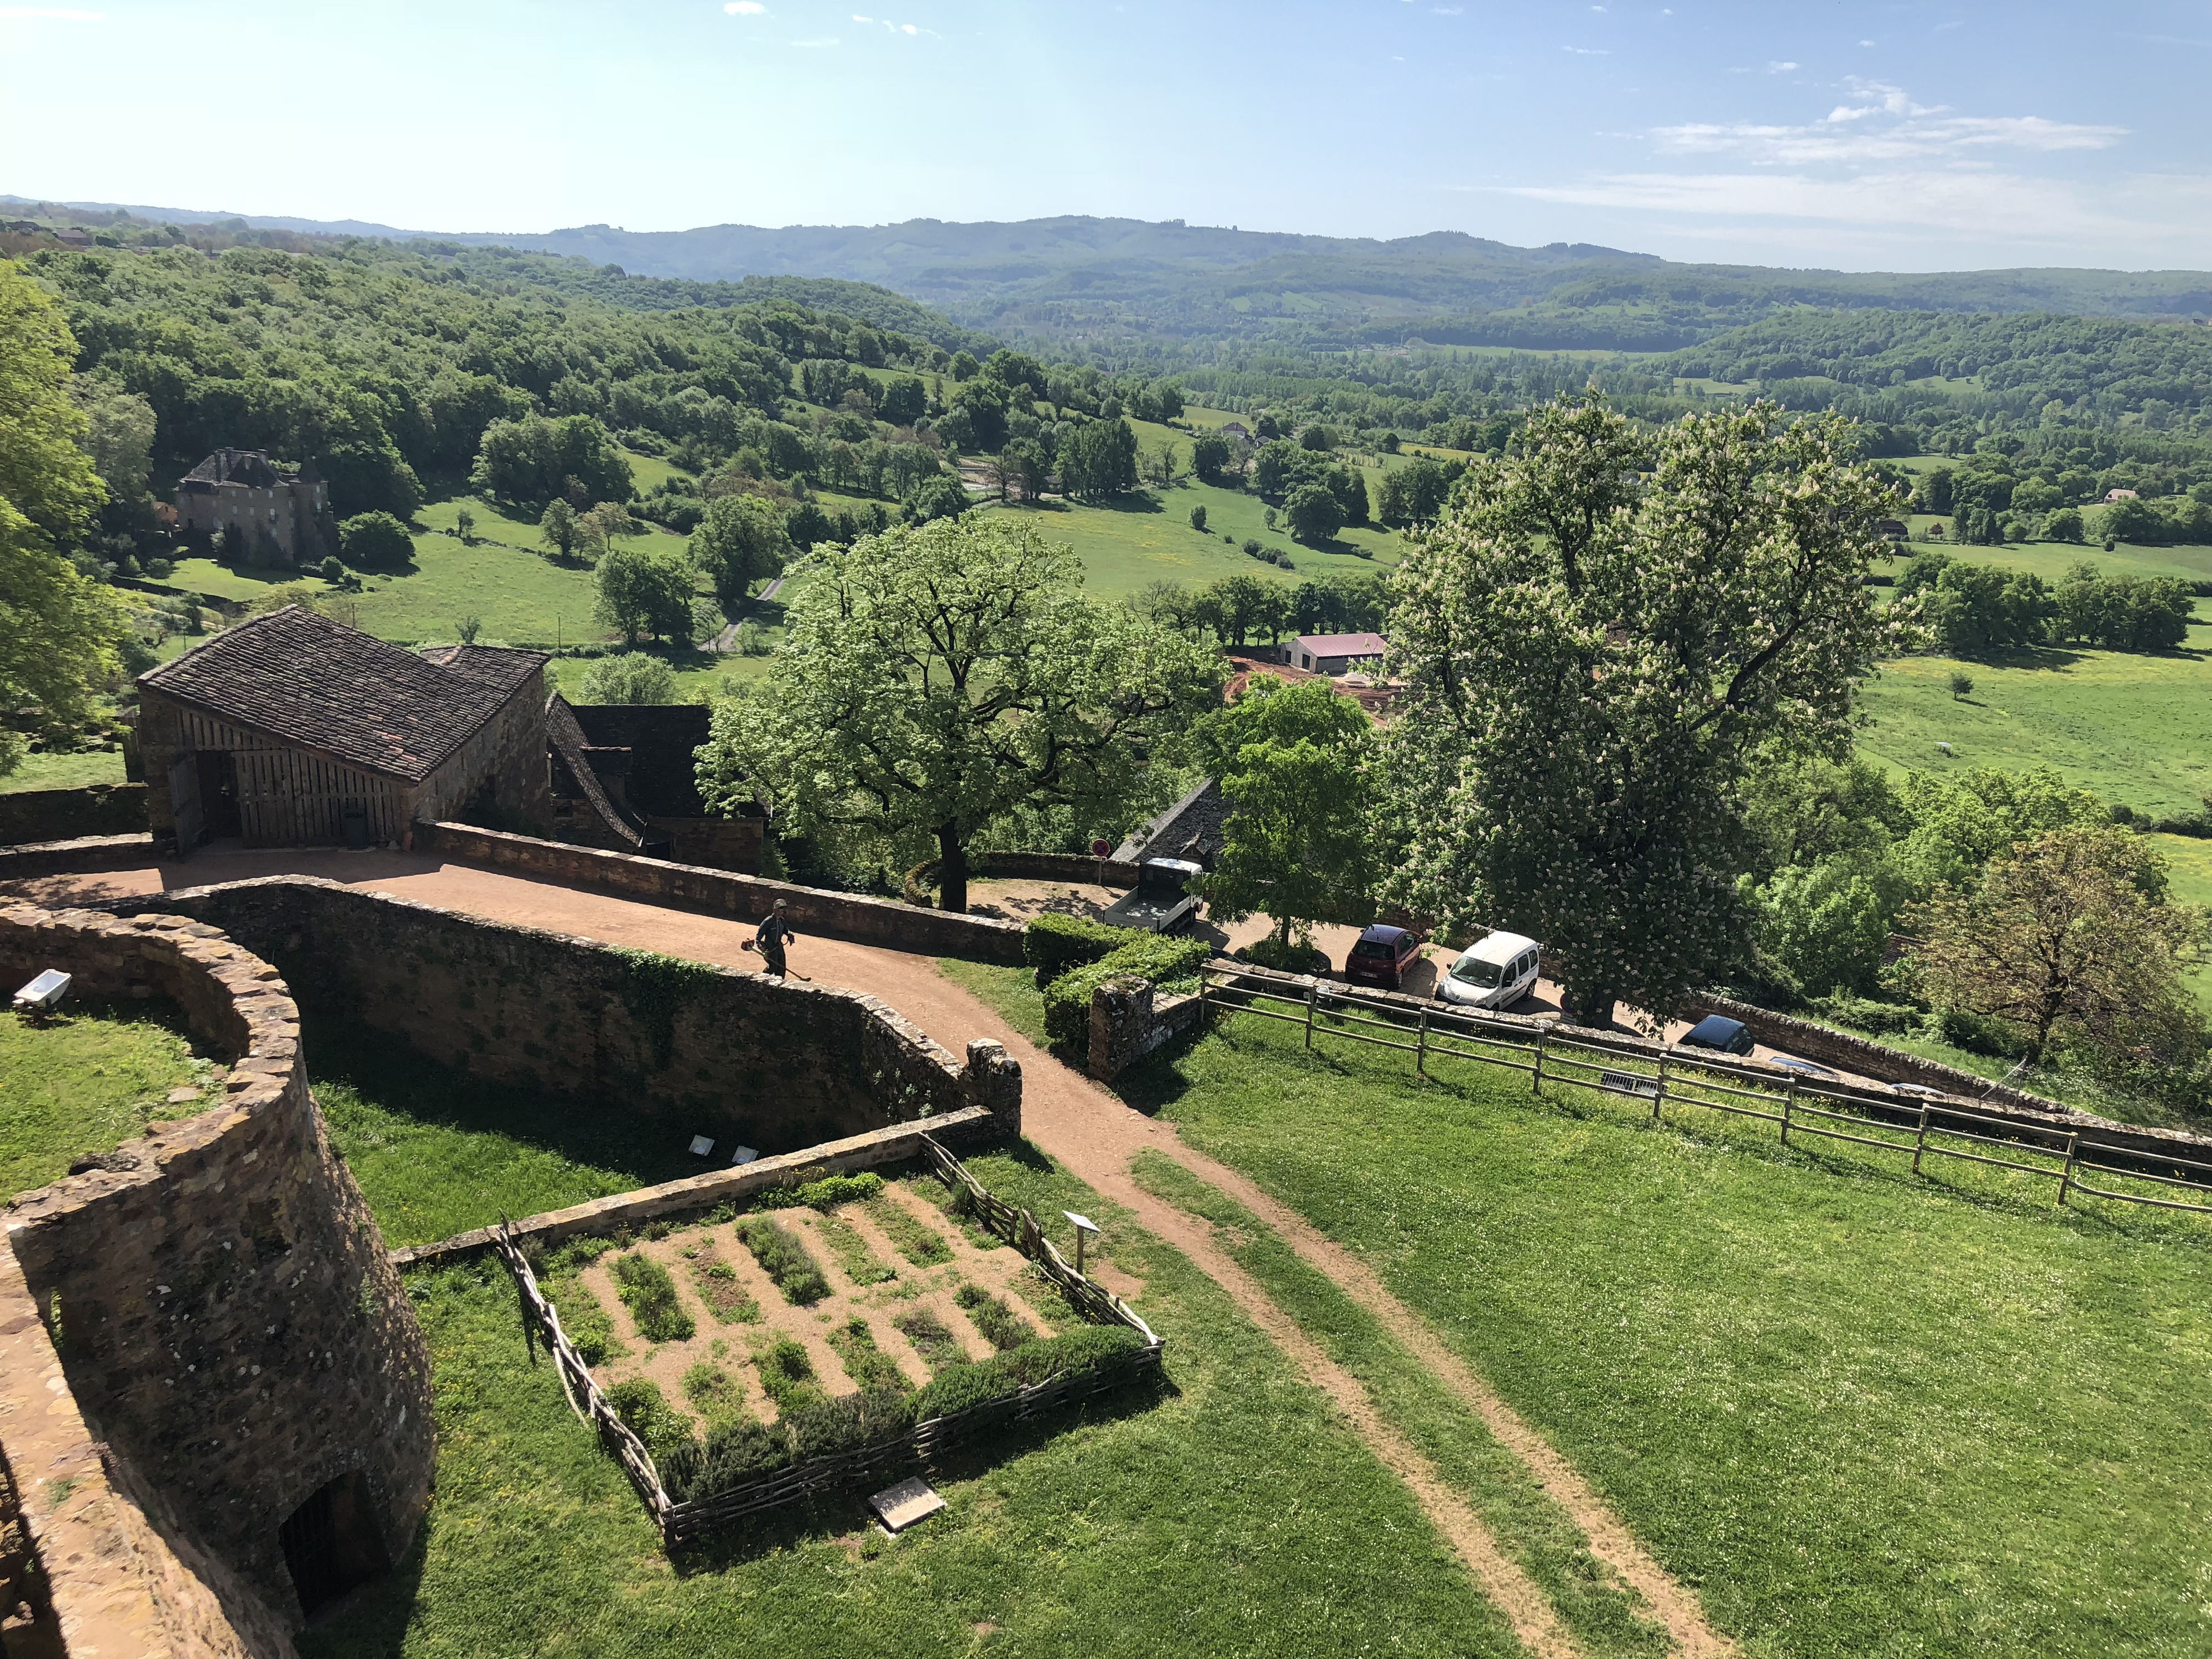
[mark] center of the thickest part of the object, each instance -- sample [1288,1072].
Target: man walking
[771,941]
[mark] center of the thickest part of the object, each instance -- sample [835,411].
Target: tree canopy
[742,540]
[58,630]
[939,676]
[1594,656]
[1292,761]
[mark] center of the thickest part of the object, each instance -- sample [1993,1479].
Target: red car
[1381,956]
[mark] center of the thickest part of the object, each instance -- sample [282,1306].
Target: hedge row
[736,1452]
[1151,955]
[1052,944]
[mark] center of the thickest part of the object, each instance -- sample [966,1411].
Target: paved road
[726,641]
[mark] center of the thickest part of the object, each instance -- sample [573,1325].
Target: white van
[1495,972]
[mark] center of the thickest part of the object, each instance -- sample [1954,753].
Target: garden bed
[738,1363]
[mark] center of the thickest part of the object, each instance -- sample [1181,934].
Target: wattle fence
[1912,1123]
[682,1522]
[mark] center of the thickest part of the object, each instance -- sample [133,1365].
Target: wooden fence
[1915,1124]
[682,1522]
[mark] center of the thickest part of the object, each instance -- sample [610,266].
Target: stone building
[283,515]
[291,730]
[626,780]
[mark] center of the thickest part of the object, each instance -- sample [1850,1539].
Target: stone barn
[291,730]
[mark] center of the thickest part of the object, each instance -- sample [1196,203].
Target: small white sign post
[1085,1227]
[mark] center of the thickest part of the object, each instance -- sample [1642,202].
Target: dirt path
[1095,1135]
[726,641]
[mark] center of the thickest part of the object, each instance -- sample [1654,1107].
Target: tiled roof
[239,466]
[1192,827]
[307,680]
[1343,645]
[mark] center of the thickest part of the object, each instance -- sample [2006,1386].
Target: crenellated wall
[228,1323]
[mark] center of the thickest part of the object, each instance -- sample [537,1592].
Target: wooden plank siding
[292,797]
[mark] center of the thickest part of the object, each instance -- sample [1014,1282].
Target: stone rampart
[117,809]
[228,1323]
[75,858]
[843,916]
[742,1057]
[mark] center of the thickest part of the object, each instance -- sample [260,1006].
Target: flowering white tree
[1601,634]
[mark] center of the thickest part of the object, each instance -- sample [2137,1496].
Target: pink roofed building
[1336,654]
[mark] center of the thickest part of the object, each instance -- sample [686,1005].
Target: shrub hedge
[1002,1327]
[1053,944]
[1152,957]
[646,1412]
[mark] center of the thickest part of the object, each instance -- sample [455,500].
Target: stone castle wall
[741,1057]
[37,815]
[229,1322]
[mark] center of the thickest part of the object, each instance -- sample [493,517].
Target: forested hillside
[387,364]
[1087,284]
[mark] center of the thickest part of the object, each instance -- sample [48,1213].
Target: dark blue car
[1730,1036]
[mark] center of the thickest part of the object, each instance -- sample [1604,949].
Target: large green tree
[646,594]
[742,540]
[939,676]
[59,631]
[1292,761]
[1599,634]
[2069,943]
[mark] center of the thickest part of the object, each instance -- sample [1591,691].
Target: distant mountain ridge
[1080,281]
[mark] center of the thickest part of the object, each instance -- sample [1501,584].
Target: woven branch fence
[682,1523]
[1664,1075]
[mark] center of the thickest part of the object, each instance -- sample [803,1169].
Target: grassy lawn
[1150,539]
[437,1153]
[77,771]
[86,1083]
[2133,728]
[1863,1415]
[1235,1516]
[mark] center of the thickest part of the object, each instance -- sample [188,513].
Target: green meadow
[1864,1415]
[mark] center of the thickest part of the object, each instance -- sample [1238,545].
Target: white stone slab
[702,1144]
[900,1506]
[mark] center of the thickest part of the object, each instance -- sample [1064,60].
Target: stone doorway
[332,1543]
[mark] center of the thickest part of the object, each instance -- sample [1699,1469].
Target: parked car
[1381,956]
[1730,1036]
[1494,972]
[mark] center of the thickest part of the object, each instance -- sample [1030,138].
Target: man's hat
[779,904]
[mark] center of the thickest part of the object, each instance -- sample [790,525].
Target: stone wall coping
[264,1051]
[860,916]
[892,1144]
[83,856]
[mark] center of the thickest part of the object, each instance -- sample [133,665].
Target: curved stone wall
[229,1322]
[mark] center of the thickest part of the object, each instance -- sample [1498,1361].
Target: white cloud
[745,9]
[1887,125]
[1775,66]
[1447,11]
[50,13]
[1587,52]
[817,40]
[1866,43]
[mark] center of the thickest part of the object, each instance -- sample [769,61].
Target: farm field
[2134,728]
[1862,1414]
[1236,1515]
[1123,549]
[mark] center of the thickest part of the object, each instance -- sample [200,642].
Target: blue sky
[1904,137]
